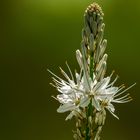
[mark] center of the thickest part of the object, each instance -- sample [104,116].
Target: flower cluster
[89,93]
[77,92]
[80,89]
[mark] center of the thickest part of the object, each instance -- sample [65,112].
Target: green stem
[89,111]
[91,65]
[90,107]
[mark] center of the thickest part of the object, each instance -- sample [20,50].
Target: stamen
[111,84]
[56,76]
[55,98]
[70,71]
[125,90]
[64,73]
[56,81]
[53,85]
[123,97]
[116,95]
[122,101]
[112,73]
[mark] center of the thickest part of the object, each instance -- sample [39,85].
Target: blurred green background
[40,34]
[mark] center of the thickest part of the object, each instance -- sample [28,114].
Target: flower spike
[87,94]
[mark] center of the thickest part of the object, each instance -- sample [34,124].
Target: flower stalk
[88,94]
[92,38]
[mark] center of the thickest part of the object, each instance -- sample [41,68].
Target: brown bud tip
[94,7]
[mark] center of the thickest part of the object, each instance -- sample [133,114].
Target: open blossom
[71,92]
[104,93]
[76,93]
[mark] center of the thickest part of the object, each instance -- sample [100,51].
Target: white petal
[105,82]
[112,90]
[104,59]
[63,98]
[111,107]
[84,102]
[103,47]
[102,85]
[66,89]
[77,78]
[79,57]
[70,116]
[65,108]
[96,104]
[113,113]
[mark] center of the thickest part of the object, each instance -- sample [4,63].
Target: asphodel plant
[89,93]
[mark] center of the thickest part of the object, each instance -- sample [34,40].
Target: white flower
[79,91]
[99,91]
[71,92]
[103,94]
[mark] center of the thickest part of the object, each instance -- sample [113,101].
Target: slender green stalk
[90,107]
[92,36]
[91,65]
